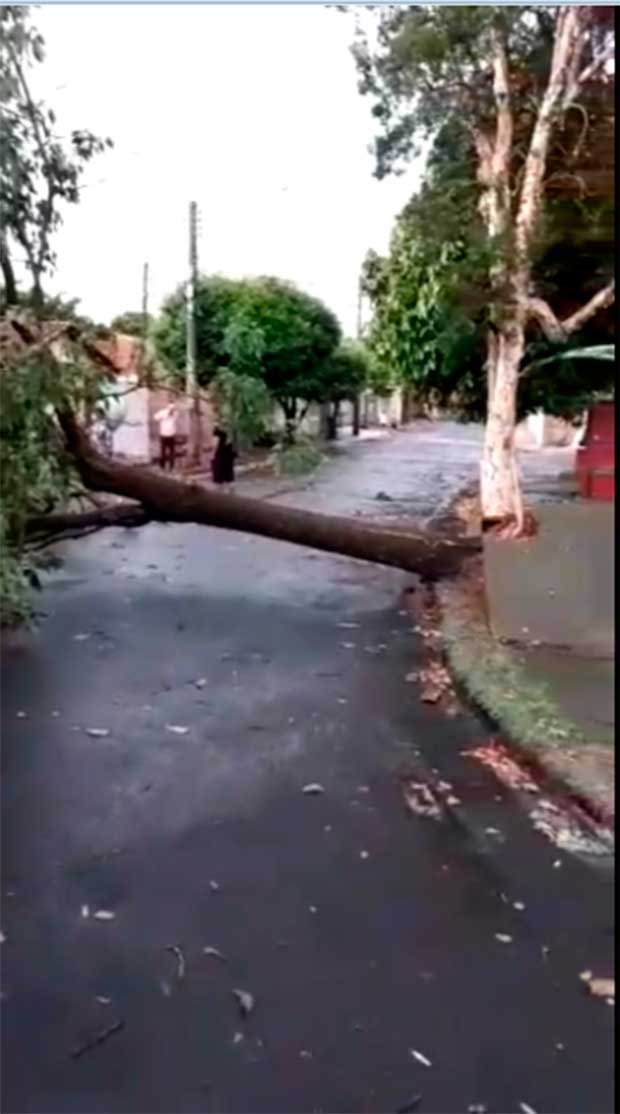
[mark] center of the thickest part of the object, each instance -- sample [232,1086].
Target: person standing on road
[166,420]
[223,461]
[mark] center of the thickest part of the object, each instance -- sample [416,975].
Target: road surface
[365,934]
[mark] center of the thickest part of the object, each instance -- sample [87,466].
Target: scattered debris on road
[104,915]
[180,958]
[421,801]
[214,953]
[599,987]
[97,732]
[420,1057]
[200,683]
[245,1001]
[177,729]
[563,831]
[503,937]
[411,1106]
[214,886]
[495,756]
[313,789]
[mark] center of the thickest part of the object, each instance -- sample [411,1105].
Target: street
[183,688]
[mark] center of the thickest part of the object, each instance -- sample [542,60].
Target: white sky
[253,111]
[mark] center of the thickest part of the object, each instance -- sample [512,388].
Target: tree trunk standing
[8,274]
[289,407]
[499,485]
[356,416]
[513,229]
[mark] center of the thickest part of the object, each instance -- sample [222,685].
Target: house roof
[119,354]
[124,354]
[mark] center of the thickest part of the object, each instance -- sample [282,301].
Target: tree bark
[356,415]
[8,274]
[163,499]
[513,235]
[500,493]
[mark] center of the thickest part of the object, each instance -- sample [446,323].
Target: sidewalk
[541,660]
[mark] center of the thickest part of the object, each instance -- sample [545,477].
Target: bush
[297,459]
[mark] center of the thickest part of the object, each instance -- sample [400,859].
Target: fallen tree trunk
[163,499]
[49,529]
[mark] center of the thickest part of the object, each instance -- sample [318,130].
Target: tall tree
[517,78]
[39,172]
[263,327]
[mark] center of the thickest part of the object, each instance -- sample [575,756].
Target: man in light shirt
[166,420]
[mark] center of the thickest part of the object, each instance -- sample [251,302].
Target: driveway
[159,728]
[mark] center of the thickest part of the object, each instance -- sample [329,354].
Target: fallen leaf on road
[245,1001]
[2,937]
[348,645]
[363,854]
[411,1106]
[601,988]
[214,886]
[85,912]
[349,626]
[97,732]
[201,682]
[526,1109]
[312,789]
[476,1108]
[238,1037]
[304,1054]
[22,715]
[496,757]
[420,1057]
[180,958]
[165,987]
[102,1000]
[421,801]
[213,952]
[177,728]
[104,915]
[430,695]
[518,905]
[503,937]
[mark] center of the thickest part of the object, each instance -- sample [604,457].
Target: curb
[521,709]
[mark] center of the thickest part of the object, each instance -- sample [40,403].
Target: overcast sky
[253,111]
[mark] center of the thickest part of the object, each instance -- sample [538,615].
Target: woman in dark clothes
[223,460]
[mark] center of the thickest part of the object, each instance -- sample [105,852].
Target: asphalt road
[364,934]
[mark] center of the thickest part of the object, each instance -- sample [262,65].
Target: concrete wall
[541,430]
[137,437]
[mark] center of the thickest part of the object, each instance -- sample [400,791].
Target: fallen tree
[148,495]
[158,498]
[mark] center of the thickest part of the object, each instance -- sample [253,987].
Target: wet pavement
[367,935]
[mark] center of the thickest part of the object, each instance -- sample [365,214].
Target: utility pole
[356,400]
[191,382]
[145,321]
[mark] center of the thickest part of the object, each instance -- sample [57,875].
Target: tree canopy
[431,295]
[39,171]
[522,96]
[131,323]
[262,327]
